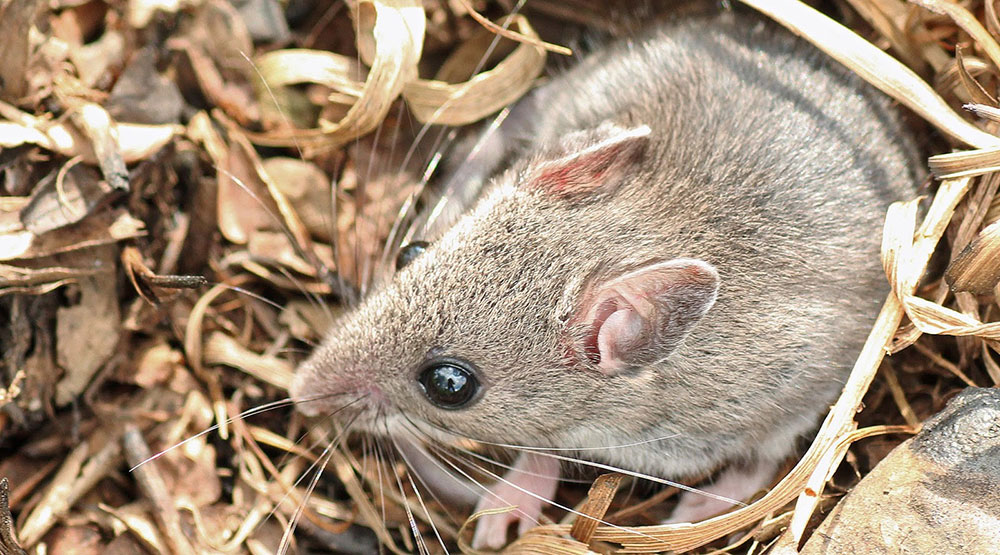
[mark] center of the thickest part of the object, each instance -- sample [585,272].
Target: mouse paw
[736,483]
[529,484]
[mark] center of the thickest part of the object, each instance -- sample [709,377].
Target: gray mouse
[671,272]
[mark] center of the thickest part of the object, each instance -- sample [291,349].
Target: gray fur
[766,159]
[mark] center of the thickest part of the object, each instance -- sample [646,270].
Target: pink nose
[310,393]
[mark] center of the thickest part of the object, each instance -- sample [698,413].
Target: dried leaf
[103,228]
[446,103]
[391,41]
[63,198]
[87,333]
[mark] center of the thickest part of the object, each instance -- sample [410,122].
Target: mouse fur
[764,160]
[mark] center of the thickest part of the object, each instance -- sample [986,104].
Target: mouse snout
[306,401]
[323,388]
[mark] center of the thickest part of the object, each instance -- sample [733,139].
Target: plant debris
[191,191]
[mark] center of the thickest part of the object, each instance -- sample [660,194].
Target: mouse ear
[640,317]
[588,160]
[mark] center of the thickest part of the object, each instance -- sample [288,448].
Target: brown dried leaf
[599,498]
[307,189]
[390,41]
[103,228]
[972,87]
[75,540]
[143,95]
[222,349]
[440,101]
[977,268]
[88,463]
[87,333]
[64,197]
[136,142]
[154,364]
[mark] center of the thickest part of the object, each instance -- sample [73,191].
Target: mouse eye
[449,383]
[409,252]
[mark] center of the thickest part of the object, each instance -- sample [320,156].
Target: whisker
[274,101]
[430,489]
[273,304]
[379,450]
[436,462]
[441,457]
[382,265]
[313,298]
[436,149]
[549,501]
[320,465]
[430,519]
[446,195]
[245,414]
[486,459]
[417,536]
[546,453]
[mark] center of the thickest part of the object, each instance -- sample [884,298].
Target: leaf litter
[149,146]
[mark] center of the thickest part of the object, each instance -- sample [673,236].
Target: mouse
[670,269]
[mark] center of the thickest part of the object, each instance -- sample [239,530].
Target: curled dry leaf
[390,41]
[64,197]
[443,101]
[396,29]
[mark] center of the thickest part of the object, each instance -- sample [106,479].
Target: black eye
[409,252]
[449,383]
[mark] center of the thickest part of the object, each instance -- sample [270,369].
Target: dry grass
[113,349]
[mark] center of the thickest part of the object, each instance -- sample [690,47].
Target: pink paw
[735,483]
[532,473]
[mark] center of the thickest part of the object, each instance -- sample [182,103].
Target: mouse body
[672,270]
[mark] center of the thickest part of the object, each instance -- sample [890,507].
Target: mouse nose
[323,385]
[306,399]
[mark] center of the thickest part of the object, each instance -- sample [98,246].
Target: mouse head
[527,322]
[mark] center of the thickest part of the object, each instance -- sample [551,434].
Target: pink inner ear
[591,167]
[619,330]
[592,343]
[640,317]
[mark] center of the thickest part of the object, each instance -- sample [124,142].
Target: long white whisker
[411,470]
[247,413]
[474,153]
[274,101]
[551,501]
[320,465]
[417,536]
[547,453]
[436,148]
[441,456]
[417,432]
